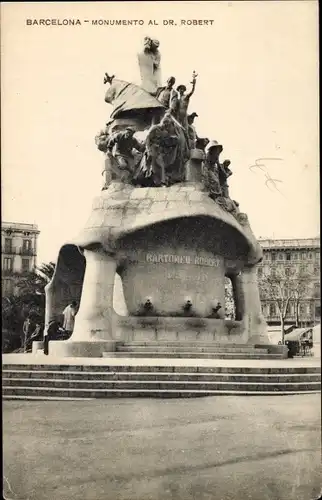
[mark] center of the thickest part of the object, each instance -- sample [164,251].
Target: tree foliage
[284,289]
[28,302]
[229,300]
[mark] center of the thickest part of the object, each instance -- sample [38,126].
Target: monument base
[149,328]
[90,349]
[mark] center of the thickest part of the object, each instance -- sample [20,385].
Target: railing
[13,273]
[18,251]
[26,251]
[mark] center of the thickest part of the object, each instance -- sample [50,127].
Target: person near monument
[69,314]
[163,93]
[26,327]
[121,145]
[184,100]
[36,333]
[211,170]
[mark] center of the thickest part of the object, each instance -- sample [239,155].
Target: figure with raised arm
[184,100]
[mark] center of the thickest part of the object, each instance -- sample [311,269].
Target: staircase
[62,382]
[189,350]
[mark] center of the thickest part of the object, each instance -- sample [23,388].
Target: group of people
[54,330]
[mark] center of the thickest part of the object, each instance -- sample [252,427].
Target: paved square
[221,448]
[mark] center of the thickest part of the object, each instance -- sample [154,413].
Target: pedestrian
[69,314]
[25,333]
[36,332]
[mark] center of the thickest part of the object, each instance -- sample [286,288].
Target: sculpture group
[161,115]
[164,223]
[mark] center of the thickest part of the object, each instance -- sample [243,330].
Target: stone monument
[164,222]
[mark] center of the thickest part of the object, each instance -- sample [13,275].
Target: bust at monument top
[149,60]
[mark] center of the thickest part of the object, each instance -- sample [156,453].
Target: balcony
[18,251]
[26,251]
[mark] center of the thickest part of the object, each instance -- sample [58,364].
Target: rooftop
[290,243]
[19,226]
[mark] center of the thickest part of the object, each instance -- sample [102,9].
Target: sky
[256,93]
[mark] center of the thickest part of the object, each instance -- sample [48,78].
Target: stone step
[94,385]
[190,355]
[50,393]
[196,349]
[188,343]
[142,367]
[159,376]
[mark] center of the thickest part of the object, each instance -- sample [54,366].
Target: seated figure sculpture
[166,153]
[120,146]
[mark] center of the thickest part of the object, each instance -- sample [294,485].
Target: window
[310,255]
[259,272]
[272,309]
[303,255]
[273,256]
[316,288]
[287,271]
[280,256]
[266,256]
[26,245]
[25,265]
[318,311]
[8,245]
[7,264]
[288,256]
[295,256]
[302,308]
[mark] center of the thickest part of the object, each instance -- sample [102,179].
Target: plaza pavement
[214,448]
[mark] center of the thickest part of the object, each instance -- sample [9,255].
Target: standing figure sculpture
[192,134]
[224,173]
[184,100]
[211,170]
[120,146]
[149,63]
[163,93]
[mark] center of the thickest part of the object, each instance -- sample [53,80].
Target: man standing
[25,334]
[163,93]
[69,314]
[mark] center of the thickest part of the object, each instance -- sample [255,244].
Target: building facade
[18,253]
[293,257]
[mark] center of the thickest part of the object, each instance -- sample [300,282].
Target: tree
[229,300]
[28,302]
[283,288]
